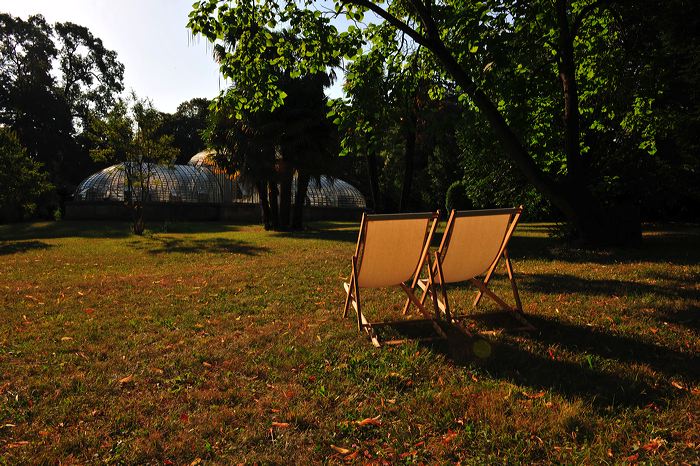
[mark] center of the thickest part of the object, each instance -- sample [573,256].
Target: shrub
[457,197]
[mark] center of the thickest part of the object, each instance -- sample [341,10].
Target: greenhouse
[198,191]
[322,192]
[177,183]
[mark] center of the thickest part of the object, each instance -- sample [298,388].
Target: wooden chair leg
[511,277]
[442,285]
[517,313]
[486,280]
[356,289]
[348,296]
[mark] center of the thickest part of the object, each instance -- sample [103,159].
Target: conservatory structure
[198,191]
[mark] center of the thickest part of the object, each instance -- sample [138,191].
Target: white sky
[161,61]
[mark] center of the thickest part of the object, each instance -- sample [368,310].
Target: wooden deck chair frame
[439,292]
[352,288]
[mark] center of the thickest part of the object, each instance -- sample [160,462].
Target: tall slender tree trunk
[373,174]
[571,116]
[300,199]
[286,175]
[409,156]
[139,223]
[261,186]
[273,196]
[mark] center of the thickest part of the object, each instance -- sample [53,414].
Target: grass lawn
[225,343]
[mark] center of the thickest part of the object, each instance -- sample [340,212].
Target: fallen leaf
[127,379]
[448,437]
[281,425]
[21,443]
[44,433]
[352,456]
[653,445]
[206,364]
[632,458]
[341,450]
[678,385]
[196,462]
[89,311]
[66,338]
[373,421]
[184,417]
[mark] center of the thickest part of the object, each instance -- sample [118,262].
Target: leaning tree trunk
[300,199]
[261,186]
[595,223]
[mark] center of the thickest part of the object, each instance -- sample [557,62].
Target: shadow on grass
[13,247]
[327,231]
[604,389]
[101,229]
[157,245]
[570,284]
[673,244]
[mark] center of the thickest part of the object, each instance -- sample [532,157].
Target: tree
[131,134]
[22,180]
[187,126]
[53,80]
[272,150]
[489,50]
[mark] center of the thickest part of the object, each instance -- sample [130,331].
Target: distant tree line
[58,87]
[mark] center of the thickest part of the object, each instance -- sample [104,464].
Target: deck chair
[473,244]
[390,251]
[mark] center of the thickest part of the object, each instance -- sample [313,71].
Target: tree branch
[391,19]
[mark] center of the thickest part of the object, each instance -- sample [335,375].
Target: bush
[457,197]
[21,179]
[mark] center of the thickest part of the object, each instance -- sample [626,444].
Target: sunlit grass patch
[226,343]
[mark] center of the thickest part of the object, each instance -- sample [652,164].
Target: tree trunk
[571,116]
[286,179]
[264,204]
[409,157]
[299,200]
[595,224]
[139,223]
[273,197]
[373,174]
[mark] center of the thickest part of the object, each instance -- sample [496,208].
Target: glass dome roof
[324,192]
[201,181]
[177,183]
